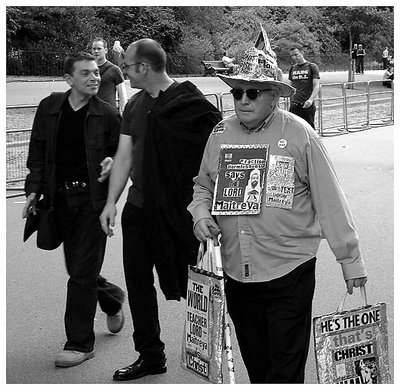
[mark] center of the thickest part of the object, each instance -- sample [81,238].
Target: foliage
[199,32]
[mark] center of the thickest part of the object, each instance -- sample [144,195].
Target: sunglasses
[126,66]
[252,94]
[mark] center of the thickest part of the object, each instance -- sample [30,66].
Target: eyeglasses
[252,94]
[126,66]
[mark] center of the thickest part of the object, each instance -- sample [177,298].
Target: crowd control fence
[342,108]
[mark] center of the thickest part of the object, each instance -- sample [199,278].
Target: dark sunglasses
[252,94]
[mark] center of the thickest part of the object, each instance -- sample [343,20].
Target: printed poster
[240,179]
[280,182]
[203,334]
[351,347]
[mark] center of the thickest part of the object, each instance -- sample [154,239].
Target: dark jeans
[84,246]
[308,114]
[139,277]
[273,323]
[360,66]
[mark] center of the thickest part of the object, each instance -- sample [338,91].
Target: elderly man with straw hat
[269,257]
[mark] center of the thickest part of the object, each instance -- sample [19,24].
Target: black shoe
[140,369]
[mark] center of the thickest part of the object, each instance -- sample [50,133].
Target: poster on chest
[351,346]
[240,179]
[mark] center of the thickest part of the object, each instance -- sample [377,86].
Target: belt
[69,185]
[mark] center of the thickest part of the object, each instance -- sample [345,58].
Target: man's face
[85,79]
[99,51]
[297,56]
[253,112]
[132,68]
[254,179]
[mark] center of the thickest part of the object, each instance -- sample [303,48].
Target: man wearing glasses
[164,130]
[269,258]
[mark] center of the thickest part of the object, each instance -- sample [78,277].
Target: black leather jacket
[101,134]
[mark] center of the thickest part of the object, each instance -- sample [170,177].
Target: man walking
[269,258]
[74,137]
[112,79]
[164,130]
[304,77]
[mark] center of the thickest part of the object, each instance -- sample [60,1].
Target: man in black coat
[164,130]
[74,136]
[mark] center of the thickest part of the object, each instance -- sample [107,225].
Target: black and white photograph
[120,123]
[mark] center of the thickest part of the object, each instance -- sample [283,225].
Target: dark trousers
[84,246]
[139,277]
[308,114]
[273,323]
[360,65]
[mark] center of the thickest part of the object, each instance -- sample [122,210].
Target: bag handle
[209,257]
[363,296]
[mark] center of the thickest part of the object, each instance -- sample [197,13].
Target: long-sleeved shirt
[269,245]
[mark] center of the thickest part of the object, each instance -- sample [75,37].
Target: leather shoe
[68,358]
[140,369]
[116,322]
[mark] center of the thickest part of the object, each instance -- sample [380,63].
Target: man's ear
[68,79]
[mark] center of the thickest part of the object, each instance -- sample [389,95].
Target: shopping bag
[352,346]
[206,331]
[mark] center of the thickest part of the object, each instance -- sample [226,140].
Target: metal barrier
[336,110]
[333,117]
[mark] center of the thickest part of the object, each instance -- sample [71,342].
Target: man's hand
[107,218]
[206,228]
[106,165]
[351,283]
[30,205]
[307,103]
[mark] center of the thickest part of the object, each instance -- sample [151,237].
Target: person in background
[112,79]
[304,77]
[360,59]
[385,58]
[387,76]
[164,130]
[228,62]
[354,58]
[74,137]
[269,258]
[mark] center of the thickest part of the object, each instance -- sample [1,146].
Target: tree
[128,24]
[361,24]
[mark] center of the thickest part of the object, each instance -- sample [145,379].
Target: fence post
[368,103]
[320,112]
[344,94]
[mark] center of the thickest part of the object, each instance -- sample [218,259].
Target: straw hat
[258,69]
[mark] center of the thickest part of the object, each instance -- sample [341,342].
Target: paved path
[36,280]
[33,92]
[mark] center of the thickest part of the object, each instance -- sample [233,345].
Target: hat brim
[285,90]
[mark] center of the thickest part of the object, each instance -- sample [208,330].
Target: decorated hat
[258,69]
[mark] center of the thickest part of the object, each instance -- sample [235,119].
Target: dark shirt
[302,77]
[135,124]
[70,153]
[111,76]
